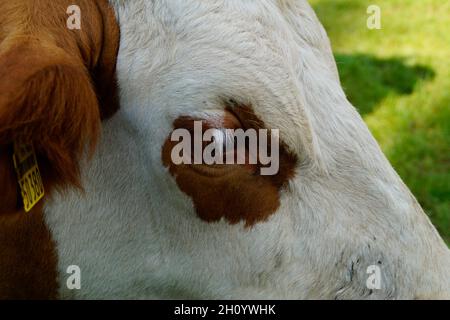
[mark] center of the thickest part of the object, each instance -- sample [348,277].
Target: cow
[334,222]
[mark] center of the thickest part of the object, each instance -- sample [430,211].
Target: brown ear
[47,98]
[56,84]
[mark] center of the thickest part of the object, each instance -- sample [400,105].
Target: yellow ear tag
[28,175]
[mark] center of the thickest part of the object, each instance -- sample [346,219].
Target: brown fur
[56,84]
[28,257]
[234,192]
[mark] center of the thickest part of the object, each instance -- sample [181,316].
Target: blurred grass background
[399,79]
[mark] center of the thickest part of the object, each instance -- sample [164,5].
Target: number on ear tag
[28,175]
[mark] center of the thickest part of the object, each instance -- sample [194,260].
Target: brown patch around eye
[236,192]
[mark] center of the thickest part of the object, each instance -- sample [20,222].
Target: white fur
[134,234]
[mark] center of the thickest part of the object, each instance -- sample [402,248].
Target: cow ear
[47,99]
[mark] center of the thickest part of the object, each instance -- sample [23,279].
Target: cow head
[335,200]
[235,65]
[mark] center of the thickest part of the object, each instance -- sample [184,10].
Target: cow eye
[222,176]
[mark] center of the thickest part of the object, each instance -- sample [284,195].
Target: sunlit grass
[399,79]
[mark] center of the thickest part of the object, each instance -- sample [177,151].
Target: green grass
[399,79]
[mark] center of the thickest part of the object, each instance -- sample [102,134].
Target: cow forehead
[181,57]
[244,36]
